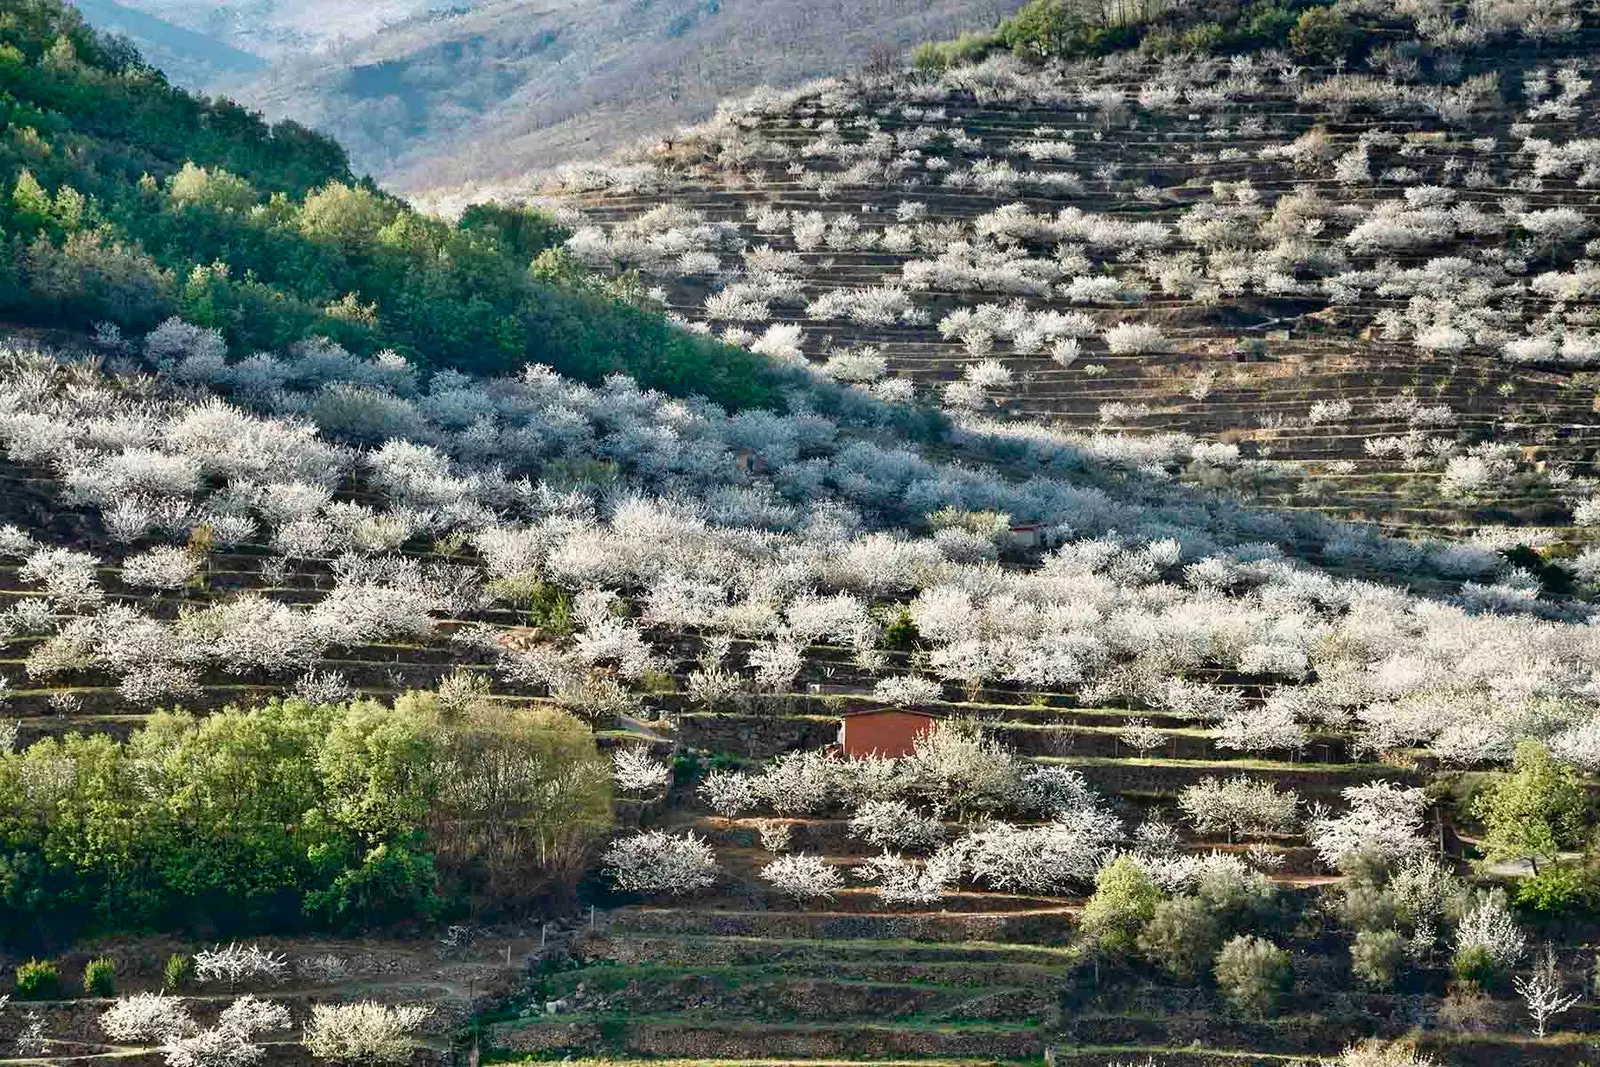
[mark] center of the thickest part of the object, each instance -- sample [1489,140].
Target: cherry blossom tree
[239,963]
[729,793]
[894,825]
[635,771]
[147,1017]
[1543,992]
[803,877]
[1239,805]
[653,861]
[365,1032]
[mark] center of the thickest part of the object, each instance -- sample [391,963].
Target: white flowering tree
[730,793]
[1543,992]
[1384,822]
[803,878]
[654,861]
[363,1033]
[147,1018]
[894,825]
[636,771]
[1239,805]
[238,964]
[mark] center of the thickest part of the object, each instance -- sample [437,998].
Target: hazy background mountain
[191,58]
[428,95]
[277,29]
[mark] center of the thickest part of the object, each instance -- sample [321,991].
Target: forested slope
[129,201]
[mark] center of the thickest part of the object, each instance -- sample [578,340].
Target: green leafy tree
[1535,811]
[30,204]
[289,815]
[216,189]
[1322,34]
[1124,900]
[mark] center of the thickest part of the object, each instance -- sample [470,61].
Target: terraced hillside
[316,633]
[1226,724]
[1376,281]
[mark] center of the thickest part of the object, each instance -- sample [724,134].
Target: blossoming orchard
[1180,450]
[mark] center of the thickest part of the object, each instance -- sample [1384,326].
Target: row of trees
[291,816]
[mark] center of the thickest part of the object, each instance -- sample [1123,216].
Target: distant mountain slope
[190,59]
[276,29]
[518,85]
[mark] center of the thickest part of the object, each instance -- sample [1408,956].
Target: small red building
[884,732]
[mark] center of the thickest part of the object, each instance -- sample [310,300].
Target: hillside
[422,641]
[1378,284]
[510,86]
[190,58]
[276,29]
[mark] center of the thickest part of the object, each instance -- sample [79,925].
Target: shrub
[37,980]
[100,977]
[1124,900]
[900,635]
[178,973]
[1560,889]
[1321,34]
[1474,965]
[1181,937]
[1376,956]
[1253,973]
[1467,1009]
[1366,907]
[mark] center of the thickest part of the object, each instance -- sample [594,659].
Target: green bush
[1376,956]
[1322,34]
[942,55]
[1560,890]
[901,635]
[178,974]
[100,977]
[1124,900]
[1366,907]
[1205,37]
[1254,974]
[1181,937]
[37,980]
[1240,899]
[1474,966]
